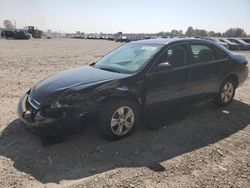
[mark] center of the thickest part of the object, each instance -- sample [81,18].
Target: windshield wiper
[108,69]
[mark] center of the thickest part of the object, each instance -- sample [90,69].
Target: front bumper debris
[32,119]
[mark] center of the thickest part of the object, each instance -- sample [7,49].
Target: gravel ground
[204,147]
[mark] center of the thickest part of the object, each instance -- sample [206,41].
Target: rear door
[207,64]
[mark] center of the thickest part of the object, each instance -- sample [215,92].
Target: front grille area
[32,106]
[33,103]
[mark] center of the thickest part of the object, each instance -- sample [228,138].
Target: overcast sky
[129,16]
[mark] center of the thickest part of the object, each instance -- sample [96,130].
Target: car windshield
[128,58]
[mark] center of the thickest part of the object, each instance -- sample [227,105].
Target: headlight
[70,105]
[59,104]
[73,100]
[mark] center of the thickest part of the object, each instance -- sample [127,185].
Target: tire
[226,93]
[111,113]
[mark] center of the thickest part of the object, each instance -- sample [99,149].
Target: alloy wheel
[122,120]
[227,92]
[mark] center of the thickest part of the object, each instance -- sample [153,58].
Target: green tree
[174,33]
[189,31]
[8,24]
[181,33]
[162,33]
[202,33]
[218,34]
[235,32]
[211,33]
[199,33]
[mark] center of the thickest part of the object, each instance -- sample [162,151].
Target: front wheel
[226,93]
[118,119]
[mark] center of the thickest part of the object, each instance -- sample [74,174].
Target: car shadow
[86,153]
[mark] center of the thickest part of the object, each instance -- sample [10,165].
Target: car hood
[54,86]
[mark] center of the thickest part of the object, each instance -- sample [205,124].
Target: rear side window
[202,53]
[175,55]
[220,54]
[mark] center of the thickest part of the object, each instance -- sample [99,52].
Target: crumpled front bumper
[33,120]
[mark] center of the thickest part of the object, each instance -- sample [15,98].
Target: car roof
[169,40]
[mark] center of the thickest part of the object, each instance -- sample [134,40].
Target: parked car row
[243,45]
[115,37]
[231,43]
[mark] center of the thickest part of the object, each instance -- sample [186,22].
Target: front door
[167,86]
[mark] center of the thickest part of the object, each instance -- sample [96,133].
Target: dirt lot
[205,147]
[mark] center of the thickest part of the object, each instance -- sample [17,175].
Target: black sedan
[130,83]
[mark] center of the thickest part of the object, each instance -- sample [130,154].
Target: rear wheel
[118,119]
[226,92]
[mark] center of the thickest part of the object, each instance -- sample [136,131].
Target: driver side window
[176,55]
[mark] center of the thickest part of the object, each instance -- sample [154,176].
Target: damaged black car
[134,80]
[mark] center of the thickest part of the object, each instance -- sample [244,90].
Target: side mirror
[164,66]
[92,64]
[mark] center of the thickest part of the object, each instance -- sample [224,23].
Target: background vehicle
[34,32]
[134,38]
[243,45]
[216,40]
[15,34]
[231,45]
[141,77]
[247,40]
[121,39]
